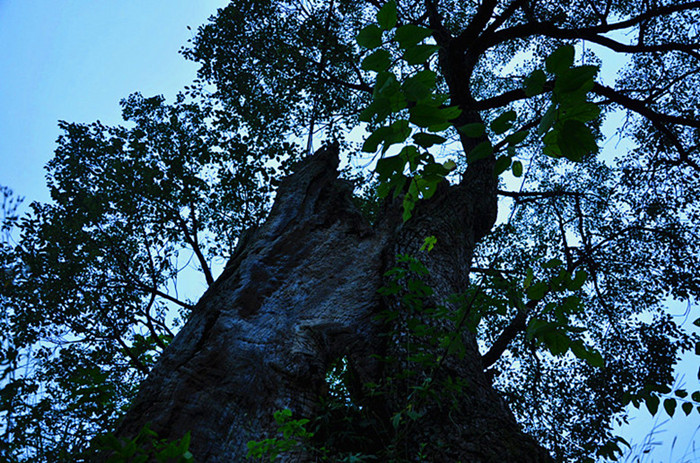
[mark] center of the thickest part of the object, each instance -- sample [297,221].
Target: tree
[407,328]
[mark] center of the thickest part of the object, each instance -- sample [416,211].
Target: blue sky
[74,60]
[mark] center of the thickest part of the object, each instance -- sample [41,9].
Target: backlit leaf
[409,35]
[534,83]
[670,406]
[426,140]
[419,54]
[503,122]
[419,86]
[474,130]
[379,60]
[560,60]
[576,140]
[480,151]
[517,168]
[386,16]
[370,37]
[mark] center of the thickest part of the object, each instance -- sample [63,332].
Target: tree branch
[548,29]
[658,120]
[195,247]
[535,195]
[508,97]
[516,326]
[507,13]
[641,108]
[651,14]
[148,289]
[476,25]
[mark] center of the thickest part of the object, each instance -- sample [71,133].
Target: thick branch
[134,360]
[476,25]
[651,14]
[192,241]
[149,322]
[641,108]
[508,97]
[362,86]
[547,29]
[516,326]
[535,195]
[507,13]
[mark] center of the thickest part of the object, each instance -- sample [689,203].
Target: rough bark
[302,292]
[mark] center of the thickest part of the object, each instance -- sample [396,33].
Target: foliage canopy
[569,291]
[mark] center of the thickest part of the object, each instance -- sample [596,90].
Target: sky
[74,60]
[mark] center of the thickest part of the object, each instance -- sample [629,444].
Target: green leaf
[552,150]
[370,37]
[556,341]
[579,349]
[395,184]
[374,139]
[571,304]
[670,406]
[517,168]
[456,347]
[529,276]
[426,140]
[397,132]
[663,388]
[687,408]
[378,109]
[424,115]
[682,393]
[652,403]
[419,54]
[386,85]
[435,169]
[389,166]
[503,122]
[534,83]
[595,359]
[576,140]
[395,420]
[547,120]
[419,86]
[573,79]
[552,263]
[573,98]
[480,151]
[537,291]
[409,203]
[410,35]
[502,164]
[411,154]
[378,61]
[386,16]
[474,130]
[428,243]
[439,127]
[560,60]
[583,112]
[536,326]
[387,97]
[517,137]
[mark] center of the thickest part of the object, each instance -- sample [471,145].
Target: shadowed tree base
[300,293]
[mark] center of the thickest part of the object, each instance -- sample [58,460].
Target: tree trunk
[303,292]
